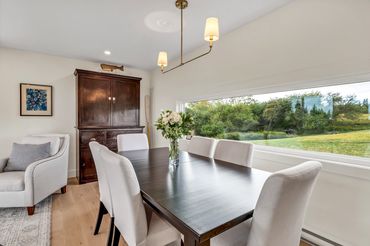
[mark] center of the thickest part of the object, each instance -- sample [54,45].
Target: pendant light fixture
[211,34]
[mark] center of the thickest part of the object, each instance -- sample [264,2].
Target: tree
[298,116]
[348,107]
[201,113]
[216,118]
[317,121]
[276,113]
[365,106]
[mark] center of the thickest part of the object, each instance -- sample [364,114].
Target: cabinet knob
[109,98]
[114,99]
[92,139]
[84,164]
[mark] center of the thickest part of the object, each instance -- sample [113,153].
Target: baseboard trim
[71,173]
[308,242]
[315,239]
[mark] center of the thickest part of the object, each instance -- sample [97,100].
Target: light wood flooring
[74,216]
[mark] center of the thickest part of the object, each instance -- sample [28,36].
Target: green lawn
[355,143]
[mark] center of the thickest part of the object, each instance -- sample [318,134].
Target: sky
[361,90]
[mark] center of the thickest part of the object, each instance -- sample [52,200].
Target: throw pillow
[23,155]
[53,140]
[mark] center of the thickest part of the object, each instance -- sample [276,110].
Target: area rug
[19,229]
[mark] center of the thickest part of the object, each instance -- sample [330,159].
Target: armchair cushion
[11,181]
[24,154]
[54,141]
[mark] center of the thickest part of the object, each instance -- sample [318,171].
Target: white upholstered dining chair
[280,209]
[202,146]
[105,205]
[236,152]
[135,141]
[183,144]
[137,227]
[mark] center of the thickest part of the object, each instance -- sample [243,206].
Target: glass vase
[174,152]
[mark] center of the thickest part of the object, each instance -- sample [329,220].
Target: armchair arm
[44,177]
[3,162]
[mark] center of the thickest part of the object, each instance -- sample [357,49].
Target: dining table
[201,197]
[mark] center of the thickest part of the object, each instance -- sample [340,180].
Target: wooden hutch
[107,105]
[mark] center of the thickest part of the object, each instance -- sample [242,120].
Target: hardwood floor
[74,216]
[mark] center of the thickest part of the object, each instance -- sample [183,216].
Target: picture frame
[36,100]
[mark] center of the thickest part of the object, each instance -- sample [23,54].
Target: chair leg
[102,211]
[31,210]
[117,236]
[63,189]
[111,229]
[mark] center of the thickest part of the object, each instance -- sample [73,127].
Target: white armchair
[38,181]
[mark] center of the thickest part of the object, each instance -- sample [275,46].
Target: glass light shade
[211,32]
[162,59]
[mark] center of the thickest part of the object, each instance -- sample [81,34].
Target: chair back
[105,195]
[135,141]
[183,144]
[201,146]
[278,217]
[60,143]
[128,207]
[236,152]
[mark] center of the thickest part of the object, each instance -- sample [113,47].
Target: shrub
[232,136]
[264,135]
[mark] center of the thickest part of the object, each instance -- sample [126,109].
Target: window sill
[358,167]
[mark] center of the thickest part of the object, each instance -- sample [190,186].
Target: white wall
[26,67]
[304,44]
[339,206]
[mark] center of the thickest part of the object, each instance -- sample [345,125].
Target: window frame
[314,155]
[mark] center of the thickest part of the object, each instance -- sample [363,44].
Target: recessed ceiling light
[107,52]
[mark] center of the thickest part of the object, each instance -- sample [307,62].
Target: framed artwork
[36,100]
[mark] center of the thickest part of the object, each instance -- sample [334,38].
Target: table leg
[206,243]
[189,241]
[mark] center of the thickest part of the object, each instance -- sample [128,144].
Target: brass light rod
[183,63]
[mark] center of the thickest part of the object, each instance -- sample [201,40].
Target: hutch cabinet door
[94,102]
[87,166]
[125,103]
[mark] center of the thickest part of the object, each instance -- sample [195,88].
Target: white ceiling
[85,28]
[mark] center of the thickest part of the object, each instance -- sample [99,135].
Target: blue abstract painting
[36,100]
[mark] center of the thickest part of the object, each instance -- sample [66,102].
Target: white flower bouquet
[173,126]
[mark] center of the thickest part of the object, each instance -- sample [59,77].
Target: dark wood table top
[202,197]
